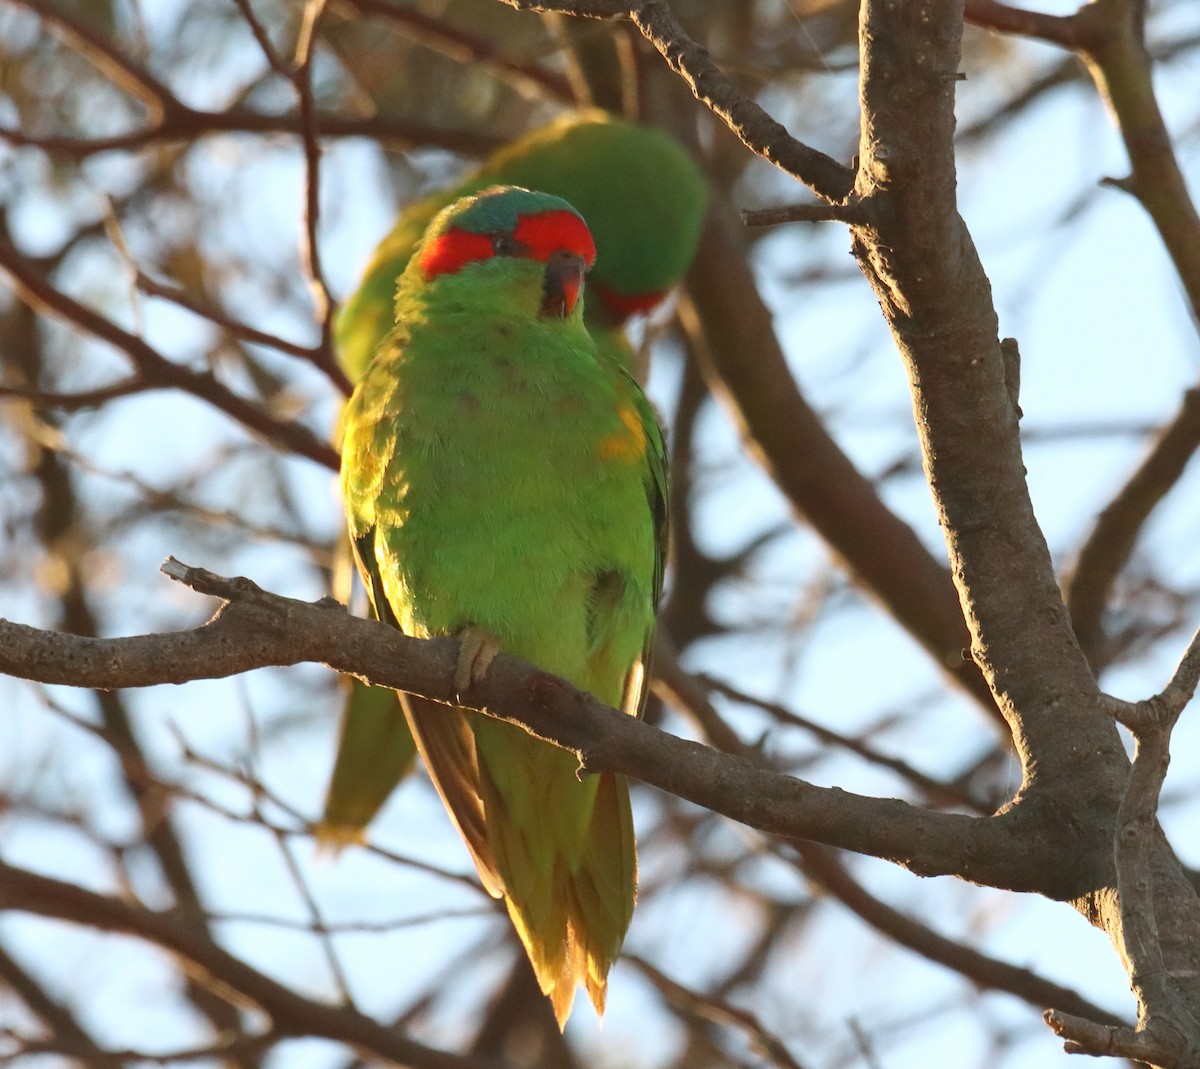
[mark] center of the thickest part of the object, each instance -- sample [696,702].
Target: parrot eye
[507,245]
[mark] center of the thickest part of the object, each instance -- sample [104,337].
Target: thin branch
[241,1046]
[855,213]
[189,124]
[153,368]
[718,1011]
[74,402]
[821,865]
[113,62]
[457,44]
[291,1014]
[987,973]
[754,127]
[1110,542]
[934,790]
[317,357]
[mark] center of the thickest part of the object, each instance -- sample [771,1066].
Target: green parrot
[641,193]
[505,484]
[644,201]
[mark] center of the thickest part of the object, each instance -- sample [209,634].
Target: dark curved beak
[562,283]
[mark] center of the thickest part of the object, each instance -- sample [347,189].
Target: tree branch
[290,1013]
[154,368]
[457,44]
[254,629]
[1111,540]
[725,318]
[754,127]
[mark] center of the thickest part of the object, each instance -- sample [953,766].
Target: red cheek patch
[453,250]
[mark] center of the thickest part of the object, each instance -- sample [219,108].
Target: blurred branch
[61,526]
[770,1048]
[170,119]
[73,402]
[318,357]
[254,629]
[188,124]
[58,1018]
[986,973]
[753,126]
[113,62]
[457,44]
[821,865]
[235,1047]
[155,370]
[1110,542]
[733,334]
[291,1014]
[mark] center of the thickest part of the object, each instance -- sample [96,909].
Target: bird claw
[477,649]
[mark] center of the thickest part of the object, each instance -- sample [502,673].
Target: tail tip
[332,839]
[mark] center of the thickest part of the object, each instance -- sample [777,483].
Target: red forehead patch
[538,235]
[547,232]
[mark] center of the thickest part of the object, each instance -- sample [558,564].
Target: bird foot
[476,651]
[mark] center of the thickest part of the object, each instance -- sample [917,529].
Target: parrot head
[507,224]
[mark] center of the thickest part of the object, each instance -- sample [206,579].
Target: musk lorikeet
[505,483]
[644,200]
[640,192]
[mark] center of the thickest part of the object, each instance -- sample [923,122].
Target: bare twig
[455,43]
[153,368]
[244,331]
[1111,540]
[756,129]
[853,212]
[719,1011]
[291,1014]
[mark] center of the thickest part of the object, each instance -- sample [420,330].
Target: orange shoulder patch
[627,444]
